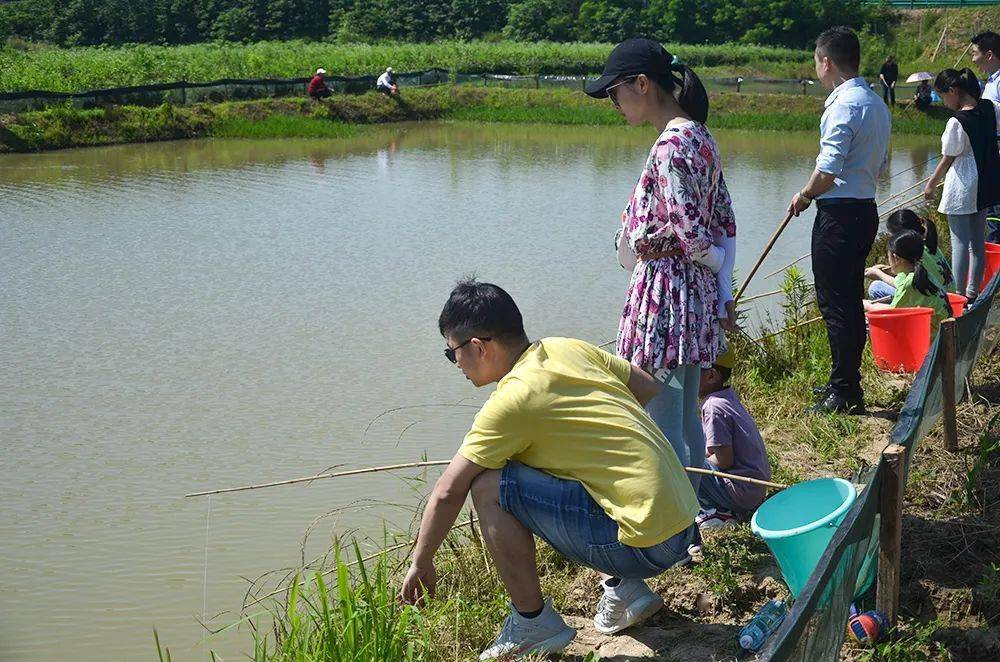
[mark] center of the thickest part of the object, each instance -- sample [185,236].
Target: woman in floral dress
[679,226]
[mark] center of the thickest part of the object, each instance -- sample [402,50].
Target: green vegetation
[115,22]
[62,126]
[81,69]
[711,599]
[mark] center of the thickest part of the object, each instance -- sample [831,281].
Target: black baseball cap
[630,58]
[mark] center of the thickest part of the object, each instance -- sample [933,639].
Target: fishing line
[204,584]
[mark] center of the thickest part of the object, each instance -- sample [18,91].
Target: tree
[541,20]
[474,18]
[608,20]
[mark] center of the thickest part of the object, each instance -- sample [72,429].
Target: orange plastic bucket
[957,303]
[992,264]
[900,337]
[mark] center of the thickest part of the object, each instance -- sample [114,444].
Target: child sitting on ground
[733,445]
[914,285]
[933,260]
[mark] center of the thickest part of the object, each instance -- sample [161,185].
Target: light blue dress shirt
[854,140]
[991,88]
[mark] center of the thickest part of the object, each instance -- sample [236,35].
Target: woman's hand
[929,191]
[729,321]
[874,272]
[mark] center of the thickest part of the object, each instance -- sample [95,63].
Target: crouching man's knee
[486,488]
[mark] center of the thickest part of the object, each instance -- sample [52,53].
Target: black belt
[829,202]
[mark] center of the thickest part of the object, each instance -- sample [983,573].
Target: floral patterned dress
[680,203]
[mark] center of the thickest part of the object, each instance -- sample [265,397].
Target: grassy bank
[79,69]
[40,67]
[62,127]
[951,584]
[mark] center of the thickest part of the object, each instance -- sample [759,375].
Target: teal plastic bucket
[798,523]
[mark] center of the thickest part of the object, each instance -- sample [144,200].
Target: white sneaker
[716,520]
[519,636]
[624,605]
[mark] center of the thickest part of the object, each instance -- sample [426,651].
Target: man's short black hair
[841,45]
[988,41]
[724,373]
[481,309]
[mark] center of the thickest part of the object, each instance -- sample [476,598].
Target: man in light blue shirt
[853,150]
[986,56]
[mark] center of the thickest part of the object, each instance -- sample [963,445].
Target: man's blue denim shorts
[563,514]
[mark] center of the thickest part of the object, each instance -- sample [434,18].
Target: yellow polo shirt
[565,409]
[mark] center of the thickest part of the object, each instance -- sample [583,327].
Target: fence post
[538,81]
[949,352]
[890,535]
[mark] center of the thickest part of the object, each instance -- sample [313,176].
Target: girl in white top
[960,198]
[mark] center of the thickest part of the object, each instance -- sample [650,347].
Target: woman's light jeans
[968,250]
[676,410]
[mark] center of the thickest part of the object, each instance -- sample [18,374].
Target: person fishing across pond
[853,151]
[387,82]
[317,88]
[913,284]
[678,235]
[970,166]
[933,259]
[564,450]
[888,75]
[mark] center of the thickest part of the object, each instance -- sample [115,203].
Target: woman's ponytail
[692,96]
[930,236]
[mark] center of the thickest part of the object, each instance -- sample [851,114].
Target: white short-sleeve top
[961,183]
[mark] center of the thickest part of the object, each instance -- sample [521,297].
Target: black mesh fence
[816,626]
[225,89]
[184,92]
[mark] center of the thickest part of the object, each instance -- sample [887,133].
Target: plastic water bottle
[763,625]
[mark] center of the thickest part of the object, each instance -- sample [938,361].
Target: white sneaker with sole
[624,605]
[519,636]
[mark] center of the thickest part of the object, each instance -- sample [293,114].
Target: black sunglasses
[613,93]
[449,352]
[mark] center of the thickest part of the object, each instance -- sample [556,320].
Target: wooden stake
[949,350]
[763,255]
[940,41]
[893,484]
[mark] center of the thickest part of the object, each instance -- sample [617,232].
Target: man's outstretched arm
[443,506]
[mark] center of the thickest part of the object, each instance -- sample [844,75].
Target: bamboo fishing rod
[432,463]
[807,322]
[881,216]
[767,249]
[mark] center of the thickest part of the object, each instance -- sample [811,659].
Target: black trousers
[842,236]
[888,94]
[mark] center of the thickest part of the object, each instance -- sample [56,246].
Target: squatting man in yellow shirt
[564,450]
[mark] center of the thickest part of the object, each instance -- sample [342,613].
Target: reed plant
[356,618]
